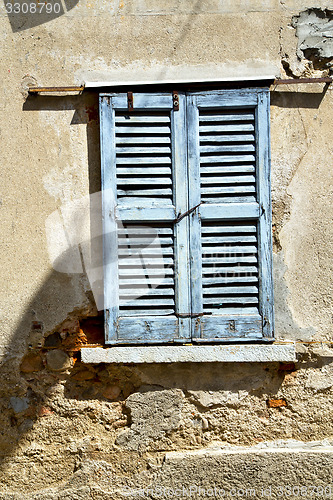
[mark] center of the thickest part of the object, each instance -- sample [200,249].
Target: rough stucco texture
[74,430]
[314,28]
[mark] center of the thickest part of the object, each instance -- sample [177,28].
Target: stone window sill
[255,353]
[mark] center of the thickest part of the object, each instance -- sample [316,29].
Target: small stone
[53,340]
[112,392]
[205,423]
[58,360]
[31,362]
[36,339]
[319,380]
[83,375]
[26,425]
[19,404]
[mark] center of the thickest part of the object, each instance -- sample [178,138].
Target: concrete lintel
[191,354]
[250,70]
[118,83]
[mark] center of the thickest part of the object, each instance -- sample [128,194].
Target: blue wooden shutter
[230,233]
[144,189]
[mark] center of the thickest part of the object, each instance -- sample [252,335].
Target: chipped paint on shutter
[227,237]
[148,168]
[205,276]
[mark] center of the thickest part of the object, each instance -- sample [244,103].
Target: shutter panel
[144,180]
[230,245]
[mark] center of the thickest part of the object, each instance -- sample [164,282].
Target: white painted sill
[255,353]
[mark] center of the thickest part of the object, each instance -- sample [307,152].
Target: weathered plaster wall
[70,430]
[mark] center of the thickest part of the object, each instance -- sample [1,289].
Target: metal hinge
[175,98]
[130,101]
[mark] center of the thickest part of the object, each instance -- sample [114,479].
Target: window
[187,216]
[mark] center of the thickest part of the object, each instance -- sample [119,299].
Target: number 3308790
[33,8]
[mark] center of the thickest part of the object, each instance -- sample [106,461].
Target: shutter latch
[175,98]
[188,212]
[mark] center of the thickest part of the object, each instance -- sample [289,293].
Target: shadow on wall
[287,99]
[46,379]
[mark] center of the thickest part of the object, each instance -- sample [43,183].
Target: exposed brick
[287,367]
[276,403]
[36,325]
[45,411]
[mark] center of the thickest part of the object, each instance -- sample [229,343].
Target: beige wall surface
[70,430]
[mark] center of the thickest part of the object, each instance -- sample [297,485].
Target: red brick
[287,367]
[276,403]
[44,411]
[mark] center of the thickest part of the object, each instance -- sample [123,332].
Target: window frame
[256,97]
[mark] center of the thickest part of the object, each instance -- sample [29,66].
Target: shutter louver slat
[126,171]
[227,250]
[229,239]
[218,260]
[226,190]
[218,278]
[228,159]
[227,169]
[134,150]
[144,193]
[133,291]
[143,160]
[142,119]
[235,148]
[227,229]
[250,270]
[226,128]
[135,181]
[133,281]
[134,128]
[127,268]
[226,179]
[142,140]
[227,138]
[227,117]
